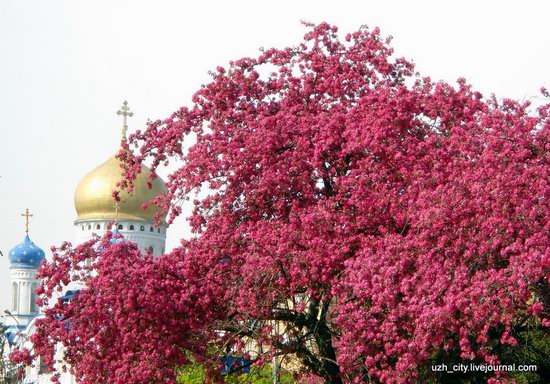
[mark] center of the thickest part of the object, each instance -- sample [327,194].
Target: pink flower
[536,309]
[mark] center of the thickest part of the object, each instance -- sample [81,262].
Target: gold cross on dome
[124,111]
[27,214]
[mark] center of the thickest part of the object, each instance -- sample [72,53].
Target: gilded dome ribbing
[93,196]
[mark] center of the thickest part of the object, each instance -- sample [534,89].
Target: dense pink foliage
[135,309]
[403,216]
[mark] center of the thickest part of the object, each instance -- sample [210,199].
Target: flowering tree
[350,216]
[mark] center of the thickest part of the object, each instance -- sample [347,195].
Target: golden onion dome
[93,198]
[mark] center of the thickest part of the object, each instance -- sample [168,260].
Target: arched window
[142,228]
[120,226]
[158,230]
[89,227]
[14,297]
[34,307]
[43,368]
[98,226]
[131,227]
[150,249]
[151,229]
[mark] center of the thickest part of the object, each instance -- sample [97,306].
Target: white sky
[66,66]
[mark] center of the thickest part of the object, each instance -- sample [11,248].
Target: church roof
[12,331]
[26,255]
[93,197]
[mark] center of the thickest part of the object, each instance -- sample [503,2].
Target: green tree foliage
[7,369]
[196,374]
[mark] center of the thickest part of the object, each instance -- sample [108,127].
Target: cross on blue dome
[26,255]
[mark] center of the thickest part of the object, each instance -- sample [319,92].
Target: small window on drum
[142,228]
[131,227]
[98,226]
[120,226]
[43,367]
[151,229]
[89,227]
[34,306]
[14,296]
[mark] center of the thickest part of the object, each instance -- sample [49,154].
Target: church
[96,210]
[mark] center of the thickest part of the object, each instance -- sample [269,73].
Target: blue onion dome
[26,255]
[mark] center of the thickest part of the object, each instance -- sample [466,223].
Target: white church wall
[144,234]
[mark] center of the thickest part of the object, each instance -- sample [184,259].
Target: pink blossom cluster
[133,322]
